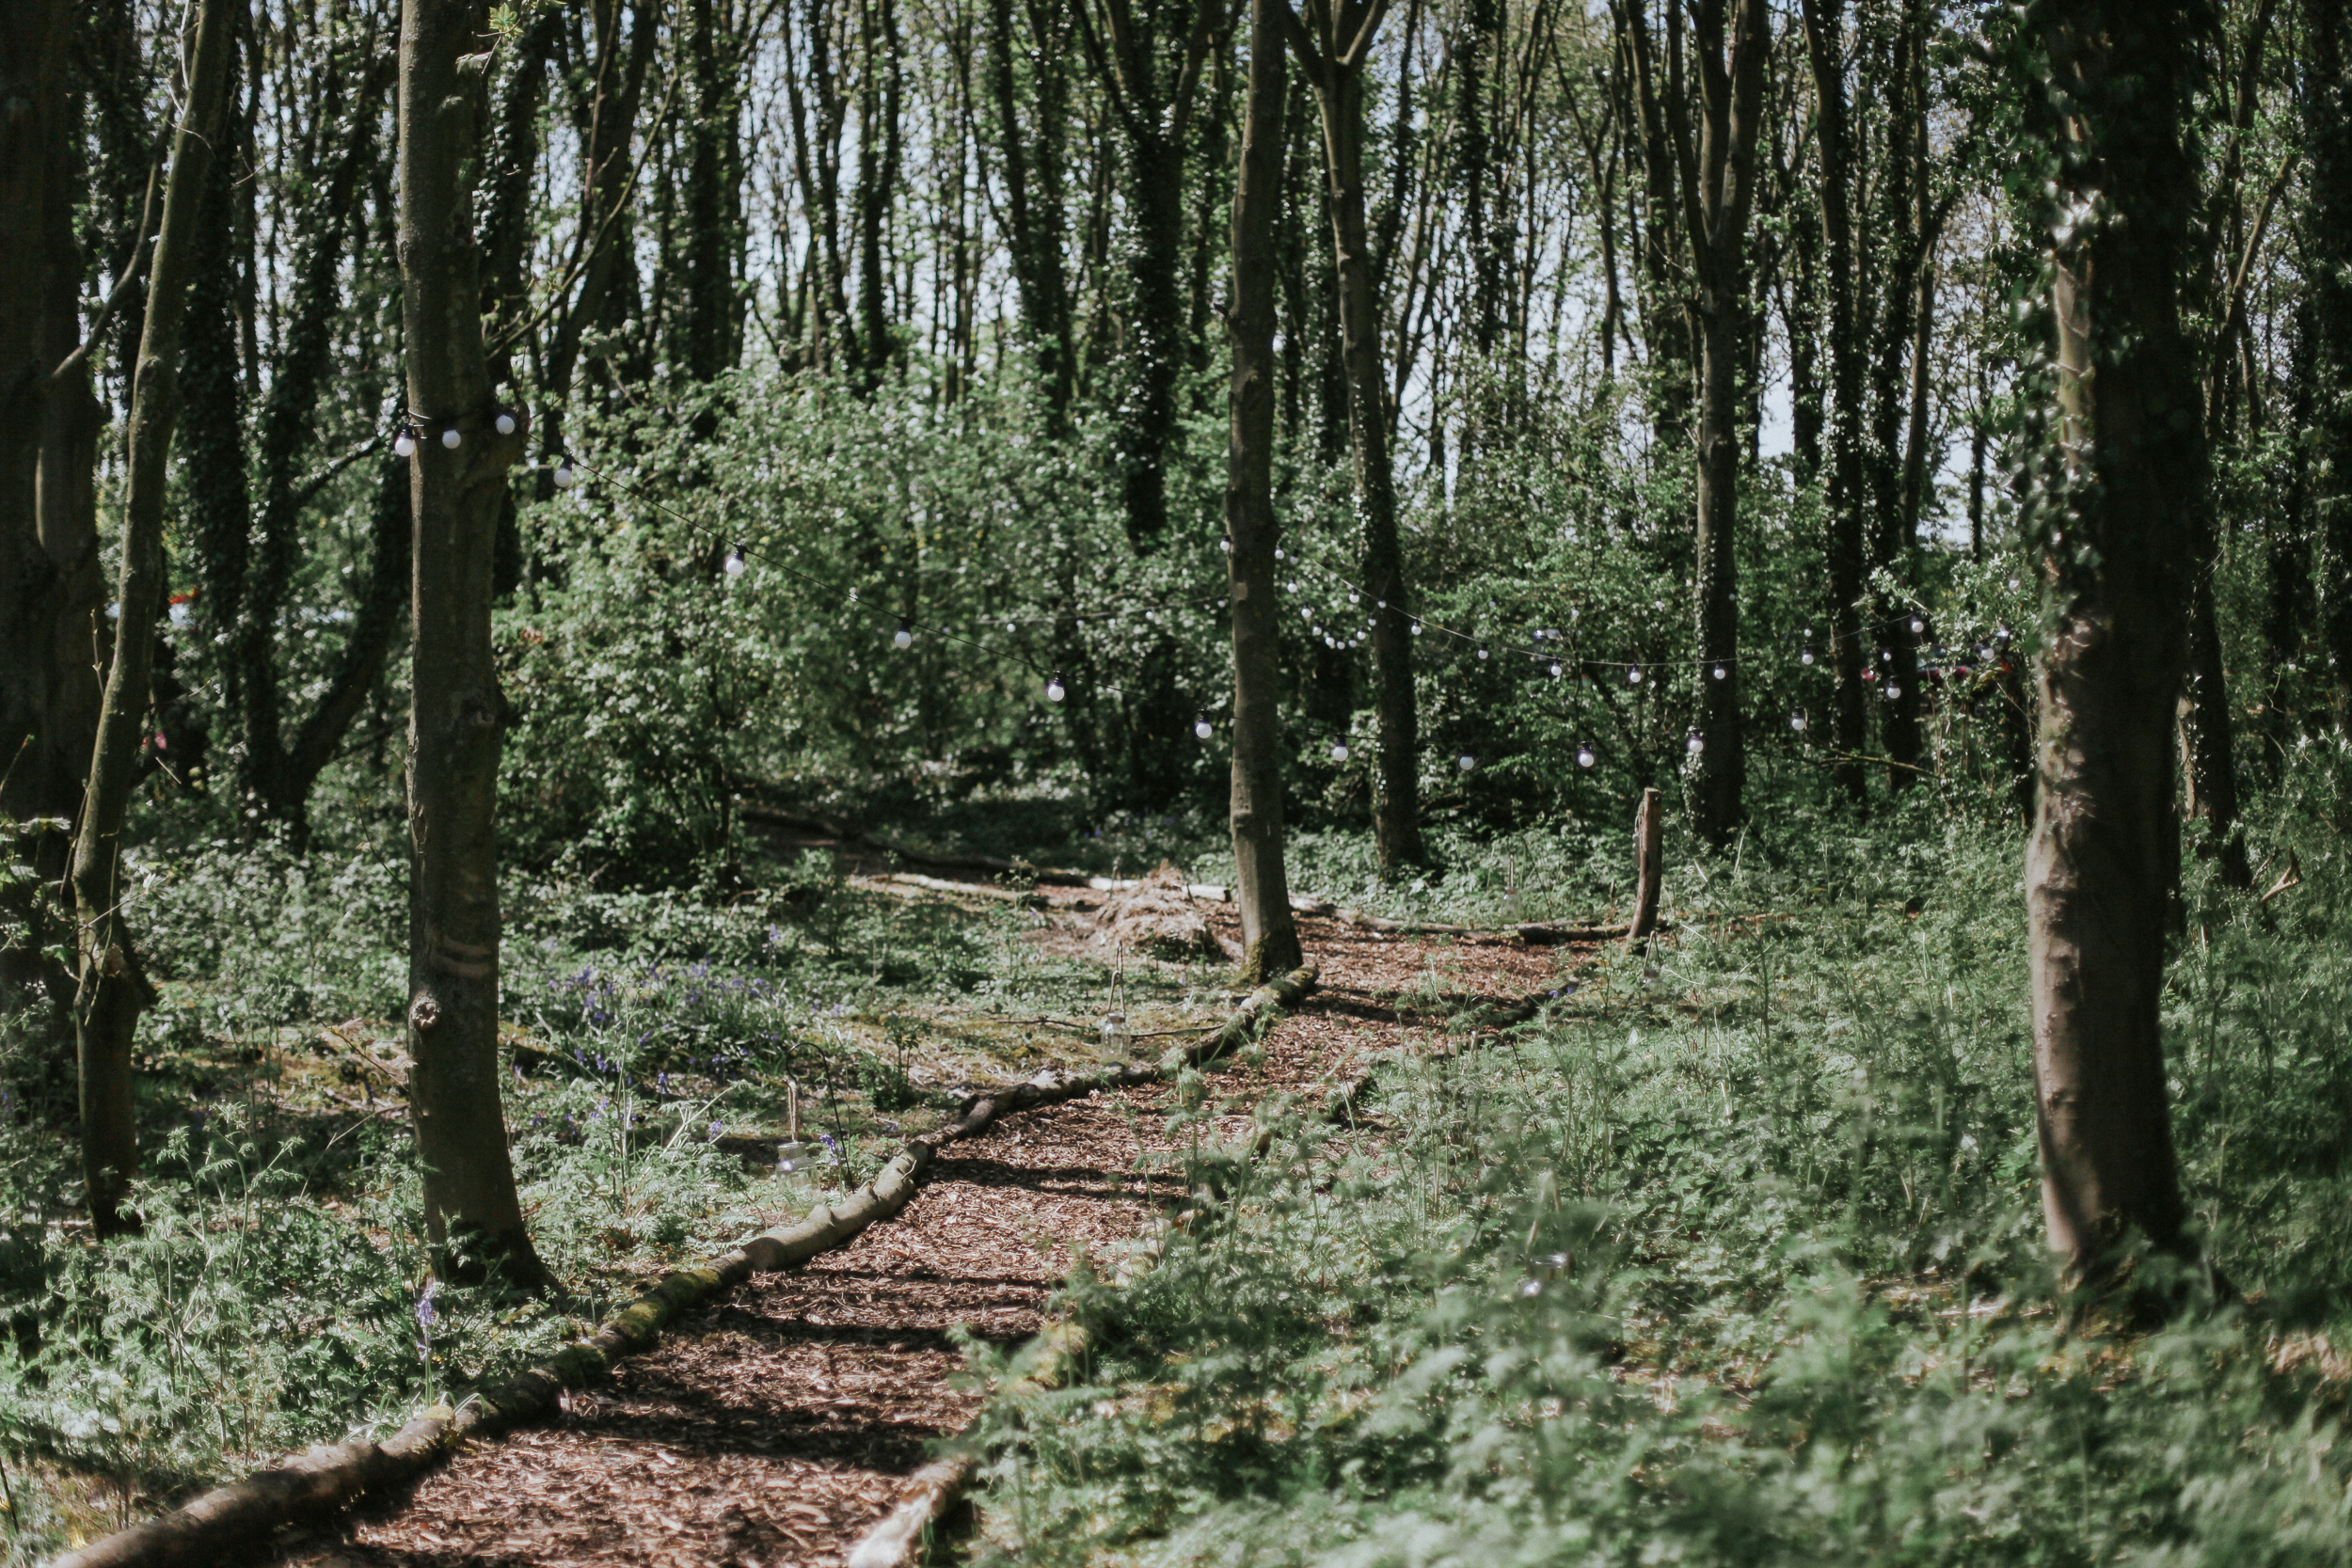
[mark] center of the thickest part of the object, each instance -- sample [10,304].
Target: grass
[1735,1258]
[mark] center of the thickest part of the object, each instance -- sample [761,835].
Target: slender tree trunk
[1719,174]
[32,65]
[1270,933]
[112,991]
[2100,866]
[2327,119]
[1824,25]
[1031,150]
[1334,63]
[458,713]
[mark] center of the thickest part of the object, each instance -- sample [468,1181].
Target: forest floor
[774,1427]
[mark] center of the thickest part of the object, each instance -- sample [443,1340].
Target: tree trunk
[458,713]
[1031,150]
[1270,933]
[32,66]
[1824,25]
[1335,65]
[2116,556]
[1719,179]
[2328,133]
[112,992]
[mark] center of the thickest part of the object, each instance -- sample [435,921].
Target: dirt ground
[773,1429]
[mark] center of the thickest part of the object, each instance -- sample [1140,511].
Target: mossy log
[323,1479]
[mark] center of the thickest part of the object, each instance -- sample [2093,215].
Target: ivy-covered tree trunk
[1333,58]
[1031,143]
[458,713]
[112,992]
[2327,132]
[1268,931]
[2125,459]
[1824,29]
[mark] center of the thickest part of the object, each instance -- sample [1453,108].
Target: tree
[1270,933]
[112,992]
[2123,445]
[1333,46]
[2328,97]
[457,712]
[1715,166]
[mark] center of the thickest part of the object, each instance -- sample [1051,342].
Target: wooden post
[1649,845]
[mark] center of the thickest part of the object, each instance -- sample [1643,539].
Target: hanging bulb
[1279,555]
[1416,628]
[1919,624]
[450,437]
[405,444]
[1306,612]
[1555,668]
[1696,744]
[1886,655]
[1339,751]
[1353,597]
[735,564]
[564,478]
[505,423]
[1633,674]
[1466,762]
[1225,543]
[903,637]
[1055,691]
[1585,755]
[1894,692]
[1720,671]
[1804,654]
[1326,636]
[1482,651]
[1201,728]
[1384,604]
[1797,719]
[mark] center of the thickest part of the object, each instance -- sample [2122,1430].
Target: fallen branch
[325,1478]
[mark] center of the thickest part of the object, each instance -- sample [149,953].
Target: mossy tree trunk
[112,992]
[1269,934]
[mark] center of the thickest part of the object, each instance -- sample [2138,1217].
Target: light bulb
[507,424]
[1201,728]
[1320,632]
[404,445]
[1585,755]
[1466,762]
[564,478]
[1226,543]
[735,564]
[1797,719]
[1919,624]
[1279,555]
[1633,674]
[1306,612]
[1804,654]
[1555,668]
[450,437]
[1384,604]
[1720,671]
[1696,744]
[1339,751]
[903,637]
[1894,692]
[1055,691]
[1416,628]
[1482,653]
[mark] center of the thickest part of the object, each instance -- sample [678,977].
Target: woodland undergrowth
[1735,1256]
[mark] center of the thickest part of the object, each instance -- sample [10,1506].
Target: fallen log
[326,1477]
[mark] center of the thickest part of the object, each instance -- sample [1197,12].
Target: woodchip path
[772,1428]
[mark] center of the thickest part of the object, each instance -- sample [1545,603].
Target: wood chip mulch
[774,1427]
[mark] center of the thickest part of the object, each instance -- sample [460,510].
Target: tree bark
[1649,856]
[1719,184]
[2126,452]
[1332,58]
[1270,933]
[1824,25]
[2328,130]
[112,992]
[458,713]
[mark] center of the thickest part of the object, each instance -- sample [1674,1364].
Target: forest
[1341,782]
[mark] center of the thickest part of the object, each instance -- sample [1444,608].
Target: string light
[1804,654]
[405,444]
[1797,719]
[903,637]
[1894,692]
[1696,744]
[451,436]
[1416,628]
[1482,653]
[735,566]
[1555,668]
[1585,755]
[1633,675]
[1720,671]
[1466,762]
[1201,728]
[564,478]
[1225,543]
[1339,751]
[1055,691]
[505,423]
[1918,624]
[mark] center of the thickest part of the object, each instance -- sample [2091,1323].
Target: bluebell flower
[425,1305]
